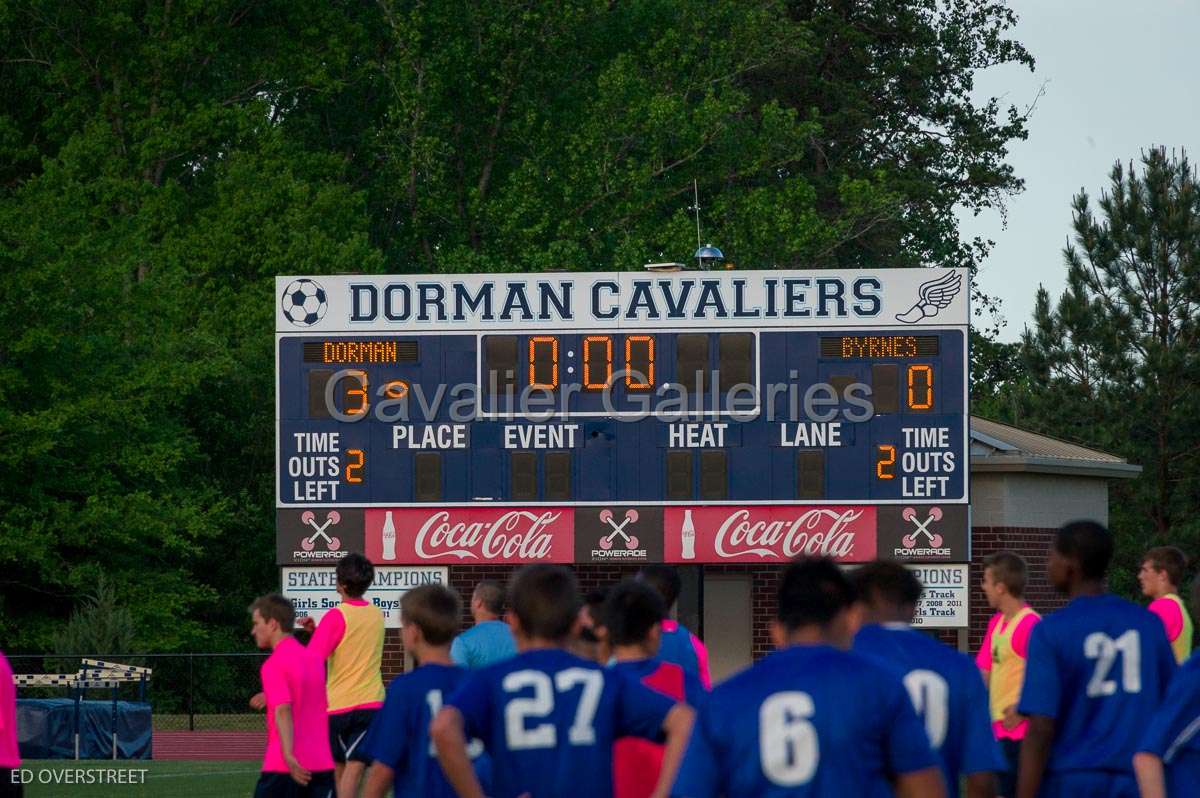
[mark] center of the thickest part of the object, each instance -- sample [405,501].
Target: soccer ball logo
[304,302]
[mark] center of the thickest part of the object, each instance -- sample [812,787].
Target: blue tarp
[46,729]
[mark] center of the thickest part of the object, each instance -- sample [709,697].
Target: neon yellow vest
[1182,645]
[1008,667]
[354,678]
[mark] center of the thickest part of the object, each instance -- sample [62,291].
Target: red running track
[209,744]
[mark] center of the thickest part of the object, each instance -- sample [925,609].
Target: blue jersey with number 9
[803,722]
[549,720]
[1099,667]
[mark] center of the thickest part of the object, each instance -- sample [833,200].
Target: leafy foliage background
[161,162]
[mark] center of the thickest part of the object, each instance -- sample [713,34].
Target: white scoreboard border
[905,275]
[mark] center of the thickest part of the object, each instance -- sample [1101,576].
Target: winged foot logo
[933,297]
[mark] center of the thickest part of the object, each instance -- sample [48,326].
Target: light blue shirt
[483,644]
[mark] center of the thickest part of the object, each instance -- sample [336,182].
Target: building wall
[1035,501]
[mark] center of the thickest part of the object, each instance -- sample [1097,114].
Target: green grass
[191,779]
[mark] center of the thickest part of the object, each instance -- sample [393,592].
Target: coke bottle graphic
[687,536]
[389,537]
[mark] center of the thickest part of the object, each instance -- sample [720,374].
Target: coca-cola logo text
[816,532]
[519,534]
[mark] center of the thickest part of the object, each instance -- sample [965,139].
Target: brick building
[1023,487]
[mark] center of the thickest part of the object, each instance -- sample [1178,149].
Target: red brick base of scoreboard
[1032,544]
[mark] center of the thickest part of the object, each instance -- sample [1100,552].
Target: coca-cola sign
[768,534]
[469,536]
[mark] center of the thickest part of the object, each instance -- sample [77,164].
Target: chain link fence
[186,692]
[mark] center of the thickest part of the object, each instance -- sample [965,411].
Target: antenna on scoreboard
[707,256]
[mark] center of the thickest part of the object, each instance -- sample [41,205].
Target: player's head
[273,617]
[887,591]
[545,603]
[815,604]
[1004,574]
[1162,571]
[430,615]
[592,623]
[355,575]
[1081,552]
[487,600]
[664,579]
[633,614]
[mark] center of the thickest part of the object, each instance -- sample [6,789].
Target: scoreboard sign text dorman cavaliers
[636,396]
[740,299]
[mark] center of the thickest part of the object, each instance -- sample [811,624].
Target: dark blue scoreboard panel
[737,416]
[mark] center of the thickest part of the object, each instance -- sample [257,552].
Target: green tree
[160,163]
[100,626]
[1116,359]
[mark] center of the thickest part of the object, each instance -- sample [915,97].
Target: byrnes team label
[842,391]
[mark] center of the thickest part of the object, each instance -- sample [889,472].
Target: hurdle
[92,674]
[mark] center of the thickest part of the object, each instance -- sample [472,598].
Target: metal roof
[1002,447]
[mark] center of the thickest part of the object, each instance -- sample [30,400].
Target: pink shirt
[292,675]
[698,650]
[10,755]
[1168,611]
[1020,645]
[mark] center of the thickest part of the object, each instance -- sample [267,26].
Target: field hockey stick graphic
[909,514]
[631,541]
[309,543]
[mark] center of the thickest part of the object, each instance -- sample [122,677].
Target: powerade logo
[922,532]
[320,546]
[619,544]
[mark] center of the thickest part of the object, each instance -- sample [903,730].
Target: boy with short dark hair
[297,762]
[350,637]
[1160,576]
[1168,759]
[812,719]
[1001,658]
[678,645]
[1097,668]
[943,684]
[632,618]
[398,740]
[547,717]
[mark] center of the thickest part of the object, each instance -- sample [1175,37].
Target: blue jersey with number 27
[947,693]
[806,721]
[549,720]
[1099,667]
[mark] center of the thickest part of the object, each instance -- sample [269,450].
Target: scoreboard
[801,403]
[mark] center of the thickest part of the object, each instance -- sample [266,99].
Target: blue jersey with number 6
[947,693]
[1099,667]
[549,720]
[803,722]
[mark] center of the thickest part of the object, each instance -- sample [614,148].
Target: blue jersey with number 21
[549,720]
[947,693]
[1099,667]
[806,721]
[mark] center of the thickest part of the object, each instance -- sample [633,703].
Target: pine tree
[1115,359]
